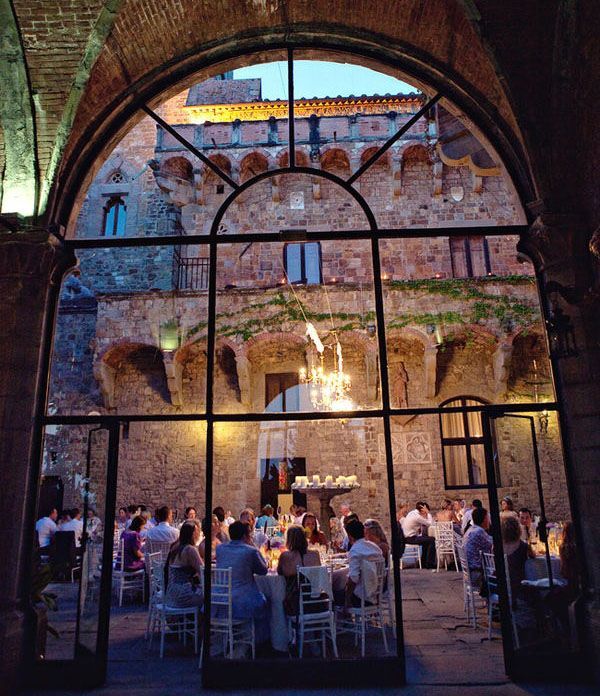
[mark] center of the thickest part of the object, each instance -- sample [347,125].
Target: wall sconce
[371,329]
[169,337]
[543,419]
[561,334]
[436,331]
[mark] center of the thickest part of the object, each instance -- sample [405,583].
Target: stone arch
[335,159]
[468,362]
[367,152]
[128,371]
[530,373]
[178,167]
[223,162]
[302,159]
[268,353]
[252,164]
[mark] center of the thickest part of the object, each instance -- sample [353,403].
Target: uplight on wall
[169,336]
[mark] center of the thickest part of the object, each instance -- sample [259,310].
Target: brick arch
[223,162]
[252,164]
[302,159]
[407,332]
[335,159]
[367,152]
[416,153]
[255,344]
[179,167]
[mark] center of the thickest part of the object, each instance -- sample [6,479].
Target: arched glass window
[115,216]
[463,451]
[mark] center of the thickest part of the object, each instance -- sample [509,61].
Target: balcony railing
[190,273]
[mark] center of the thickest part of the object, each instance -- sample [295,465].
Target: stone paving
[444,654]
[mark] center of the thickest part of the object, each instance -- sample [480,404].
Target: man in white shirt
[46,528]
[415,527]
[466,521]
[362,572]
[163,530]
[74,524]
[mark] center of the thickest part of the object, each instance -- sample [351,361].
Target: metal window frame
[239,670]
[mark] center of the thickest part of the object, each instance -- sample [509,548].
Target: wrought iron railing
[190,273]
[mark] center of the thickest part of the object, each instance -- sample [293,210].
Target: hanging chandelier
[328,391]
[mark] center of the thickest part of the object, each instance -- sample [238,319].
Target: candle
[316,480]
[329,481]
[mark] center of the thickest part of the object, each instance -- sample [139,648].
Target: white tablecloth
[536,568]
[273,587]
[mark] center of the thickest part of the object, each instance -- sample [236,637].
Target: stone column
[558,246]
[31,267]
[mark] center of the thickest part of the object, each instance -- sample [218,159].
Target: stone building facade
[462,315]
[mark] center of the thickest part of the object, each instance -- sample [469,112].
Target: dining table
[537,568]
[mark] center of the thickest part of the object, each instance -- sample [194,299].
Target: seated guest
[300,512]
[184,569]
[163,530]
[121,518]
[415,528]
[507,507]
[214,537]
[266,519]
[132,544]
[63,518]
[297,555]
[245,562]
[458,509]
[528,532]
[46,528]
[517,552]
[312,531]
[477,540]
[346,543]
[223,534]
[132,511]
[149,523]
[74,524]
[259,539]
[229,518]
[362,574]
[374,532]
[94,524]
[190,513]
[445,513]
[401,514]
[466,520]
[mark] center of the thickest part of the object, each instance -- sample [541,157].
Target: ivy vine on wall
[281,311]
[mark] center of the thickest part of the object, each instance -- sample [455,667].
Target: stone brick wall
[110,359]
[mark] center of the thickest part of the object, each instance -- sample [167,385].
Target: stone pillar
[558,246]
[31,268]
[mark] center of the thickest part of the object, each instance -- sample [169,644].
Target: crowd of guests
[239,545]
[69,520]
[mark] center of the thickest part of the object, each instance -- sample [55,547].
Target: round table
[273,587]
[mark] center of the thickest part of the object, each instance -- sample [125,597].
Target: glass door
[72,581]
[531,585]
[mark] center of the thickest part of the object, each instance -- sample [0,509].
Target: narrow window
[303,263]
[463,451]
[115,217]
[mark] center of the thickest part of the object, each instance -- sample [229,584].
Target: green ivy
[480,306]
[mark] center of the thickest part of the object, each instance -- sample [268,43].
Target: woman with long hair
[374,532]
[184,568]
[311,528]
[132,544]
[215,527]
[297,555]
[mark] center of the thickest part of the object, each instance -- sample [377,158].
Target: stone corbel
[437,170]
[275,195]
[396,165]
[316,191]
[430,366]
[243,374]
[198,187]
[105,376]
[477,183]
[501,365]
[174,373]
